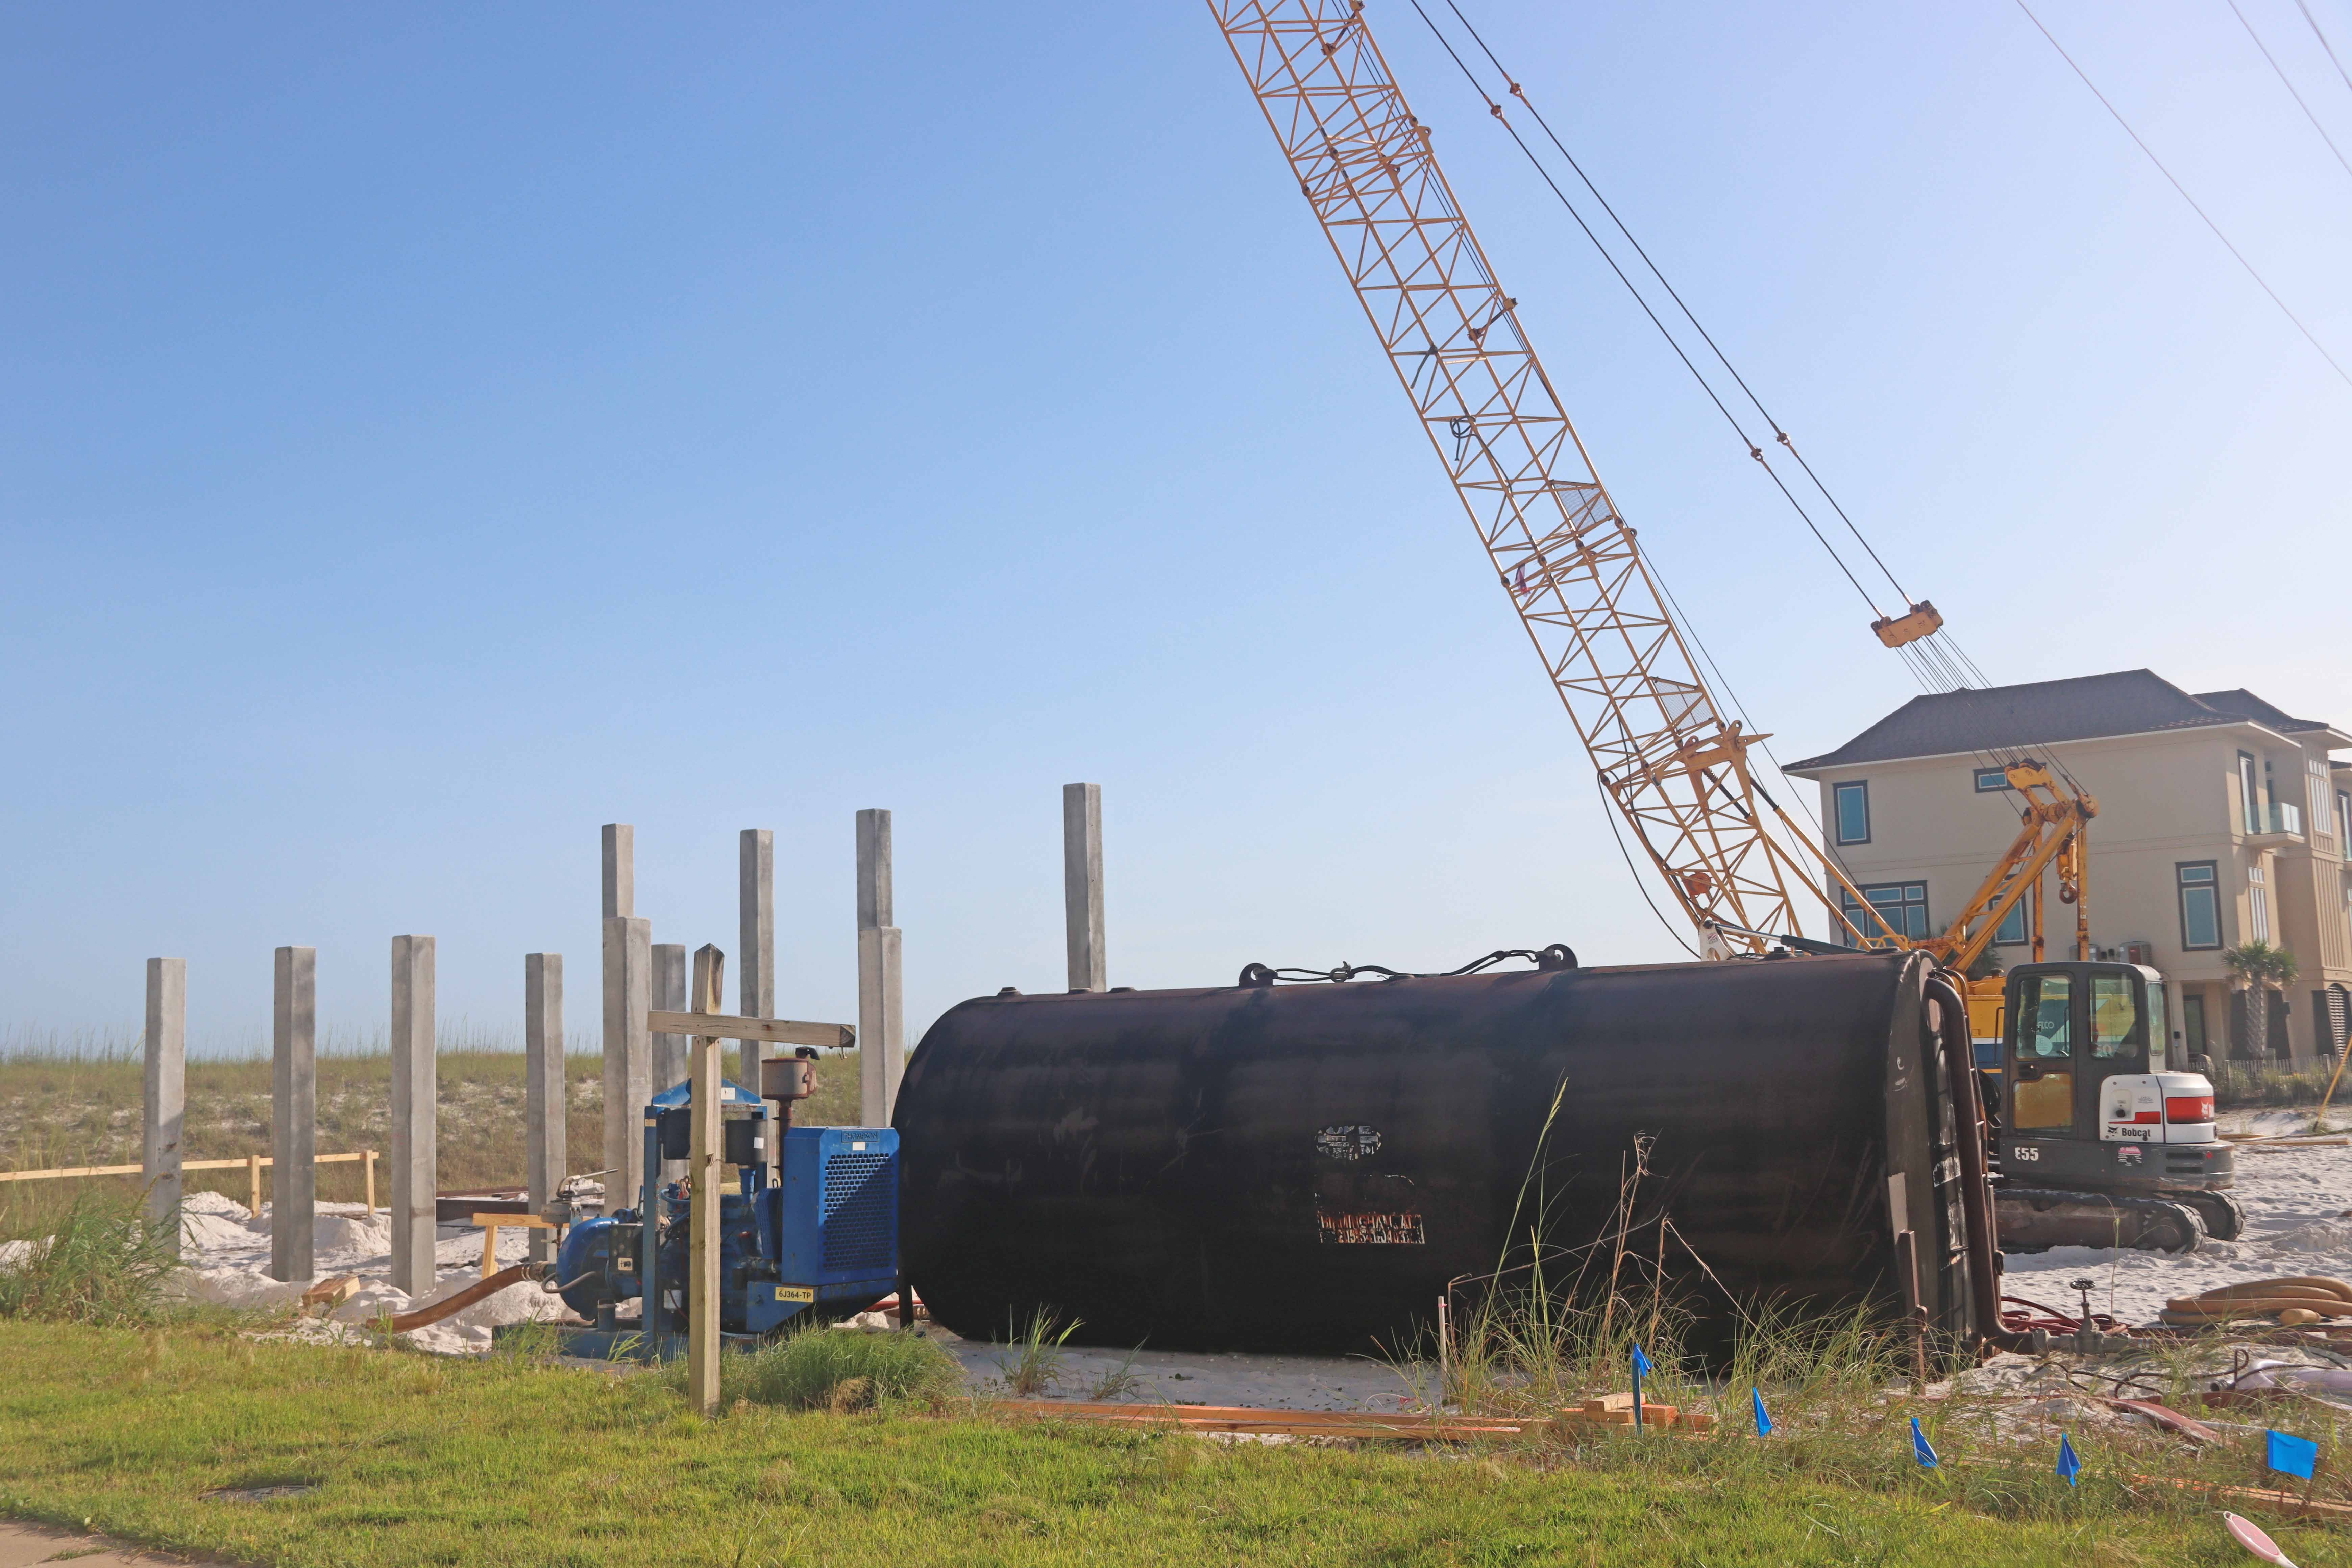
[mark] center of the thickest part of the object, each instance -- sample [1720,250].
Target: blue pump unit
[819,1240]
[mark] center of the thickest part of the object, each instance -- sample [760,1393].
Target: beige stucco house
[2221,819]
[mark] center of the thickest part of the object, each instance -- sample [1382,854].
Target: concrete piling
[670,1065]
[620,870]
[165,1082]
[545,1096]
[294,1113]
[756,929]
[881,1007]
[1082,885]
[628,1051]
[414,1116]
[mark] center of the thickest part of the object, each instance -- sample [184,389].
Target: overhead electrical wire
[2279,73]
[2336,59]
[2321,348]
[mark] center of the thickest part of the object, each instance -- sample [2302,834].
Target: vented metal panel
[860,1210]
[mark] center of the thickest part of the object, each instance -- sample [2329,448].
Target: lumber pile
[2292,1301]
[1617,1410]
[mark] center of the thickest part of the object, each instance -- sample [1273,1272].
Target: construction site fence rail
[253,1164]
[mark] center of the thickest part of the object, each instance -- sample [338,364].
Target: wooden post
[367,1160]
[702,1343]
[253,1174]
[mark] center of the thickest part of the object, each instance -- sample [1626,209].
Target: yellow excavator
[1674,766]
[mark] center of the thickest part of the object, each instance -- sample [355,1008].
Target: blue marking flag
[1921,1447]
[1640,1363]
[2069,1466]
[2290,1454]
[1763,1422]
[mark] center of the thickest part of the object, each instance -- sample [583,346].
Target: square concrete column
[881,1007]
[294,1113]
[415,1109]
[1082,884]
[545,1097]
[165,1117]
[670,1065]
[620,870]
[756,929]
[628,1055]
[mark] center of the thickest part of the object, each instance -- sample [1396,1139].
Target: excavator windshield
[2044,1094]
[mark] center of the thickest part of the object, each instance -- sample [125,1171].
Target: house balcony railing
[2282,825]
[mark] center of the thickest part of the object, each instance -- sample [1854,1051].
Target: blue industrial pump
[809,1232]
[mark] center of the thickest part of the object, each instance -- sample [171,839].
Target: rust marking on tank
[1370,1229]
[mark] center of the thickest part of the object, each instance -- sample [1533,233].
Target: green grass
[77,1102]
[100,1263]
[509,1462]
[821,1368]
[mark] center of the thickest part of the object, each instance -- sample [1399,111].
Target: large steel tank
[1310,1167]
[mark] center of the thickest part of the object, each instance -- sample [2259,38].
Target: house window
[2192,1024]
[1852,813]
[2250,797]
[2200,904]
[2013,930]
[2315,782]
[1903,905]
[2343,822]
[2258,904]
[1991,779]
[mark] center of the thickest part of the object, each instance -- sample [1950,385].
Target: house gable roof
[2004,718]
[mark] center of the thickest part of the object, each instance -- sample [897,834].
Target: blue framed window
[1902,904]
[1991,779]
[2013,930]
[2200,904]
[1852,811]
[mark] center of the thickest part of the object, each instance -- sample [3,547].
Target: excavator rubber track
[2032,1219]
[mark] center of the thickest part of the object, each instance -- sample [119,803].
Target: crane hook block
[1923,621]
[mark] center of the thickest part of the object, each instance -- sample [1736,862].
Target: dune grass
[507,1461]
[100,1262]
[75,1100]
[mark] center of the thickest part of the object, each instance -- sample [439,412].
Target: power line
[2341,373]
[2324,43]
[2281,75]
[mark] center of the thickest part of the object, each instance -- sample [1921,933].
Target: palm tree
[2260,966]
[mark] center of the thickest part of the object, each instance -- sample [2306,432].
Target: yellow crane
[1670,762]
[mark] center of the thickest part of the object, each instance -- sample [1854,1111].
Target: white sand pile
[2298,1204]
[227,1253]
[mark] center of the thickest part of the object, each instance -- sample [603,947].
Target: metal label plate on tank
[1349,1142]
[1370,1229]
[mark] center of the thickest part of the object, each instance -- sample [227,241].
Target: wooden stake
[704,1171]
[367,1160]
[253,1174]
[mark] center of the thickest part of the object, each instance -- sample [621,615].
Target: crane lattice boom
[1670,762]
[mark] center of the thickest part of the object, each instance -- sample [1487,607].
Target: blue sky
[432,432]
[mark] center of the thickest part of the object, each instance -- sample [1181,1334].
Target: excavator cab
[2089,1107]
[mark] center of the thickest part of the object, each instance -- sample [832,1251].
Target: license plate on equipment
[805,1294]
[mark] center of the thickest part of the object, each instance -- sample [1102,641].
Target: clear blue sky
[432,432]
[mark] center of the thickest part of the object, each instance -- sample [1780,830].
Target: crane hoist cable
[1937,662]
[1935,671]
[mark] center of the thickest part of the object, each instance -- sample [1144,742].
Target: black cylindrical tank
[1310,1167]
